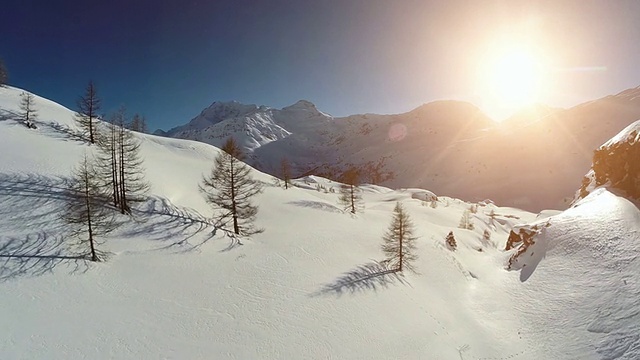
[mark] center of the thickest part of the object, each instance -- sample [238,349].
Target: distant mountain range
[533,160]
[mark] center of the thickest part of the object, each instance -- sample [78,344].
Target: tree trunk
[124,208]
[400,240]
[234,211]
[87,198]
[114,168]
[352,194]
[91,111]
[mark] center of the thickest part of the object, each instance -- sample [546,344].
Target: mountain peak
[221,110]
[302,105]
[229,108]
[439,105]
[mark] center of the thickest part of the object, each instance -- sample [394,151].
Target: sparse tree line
[105,183]
[112,180]
[87,116]
[89,106]
[398,241]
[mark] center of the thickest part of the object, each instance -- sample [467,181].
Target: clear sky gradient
[170,59]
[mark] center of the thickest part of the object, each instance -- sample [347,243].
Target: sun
[511,78]
[515,78]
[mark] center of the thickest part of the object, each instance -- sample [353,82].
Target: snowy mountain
[311,286]
[447,146]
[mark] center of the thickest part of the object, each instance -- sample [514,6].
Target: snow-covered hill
[447,146]
[602,227]
[589,256]
[309,286]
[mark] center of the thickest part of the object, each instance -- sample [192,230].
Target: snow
[309,286]
[598,238]
[631,134]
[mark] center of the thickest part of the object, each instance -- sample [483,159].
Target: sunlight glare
[511,78]
[515,79]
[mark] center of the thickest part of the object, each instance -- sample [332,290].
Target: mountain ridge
[448,146]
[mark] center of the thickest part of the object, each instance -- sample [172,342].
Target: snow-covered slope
[447,146]
[308,287]
[582,274]
[590,254]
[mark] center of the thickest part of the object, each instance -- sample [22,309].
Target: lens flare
[397,132]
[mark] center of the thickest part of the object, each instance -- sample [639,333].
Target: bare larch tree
[28,113]
[398,242]
[132,183]
[108,158]
[230,188]
[285,170]
[88,107]
[350,192]
[120,164]
[86,212]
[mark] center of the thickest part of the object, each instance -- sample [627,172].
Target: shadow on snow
[166,222]
[370,276]
[33,204]
[33,238]
[35,255]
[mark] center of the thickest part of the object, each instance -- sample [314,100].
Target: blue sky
[170,59]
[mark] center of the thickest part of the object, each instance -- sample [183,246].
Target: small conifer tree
[87,116]
[350,193]
[399,242]
[86,213]
[230,189]
[465,221]
[285,169]
[28,112]
[486,236]
[451,241]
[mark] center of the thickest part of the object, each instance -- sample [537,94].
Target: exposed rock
[616,164]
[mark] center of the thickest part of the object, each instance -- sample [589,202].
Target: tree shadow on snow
[176,226]
[59,131]
[33,202]
[8,115]
[49,128]
[35,255]
[30,217]
[370,276]
[318,205]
